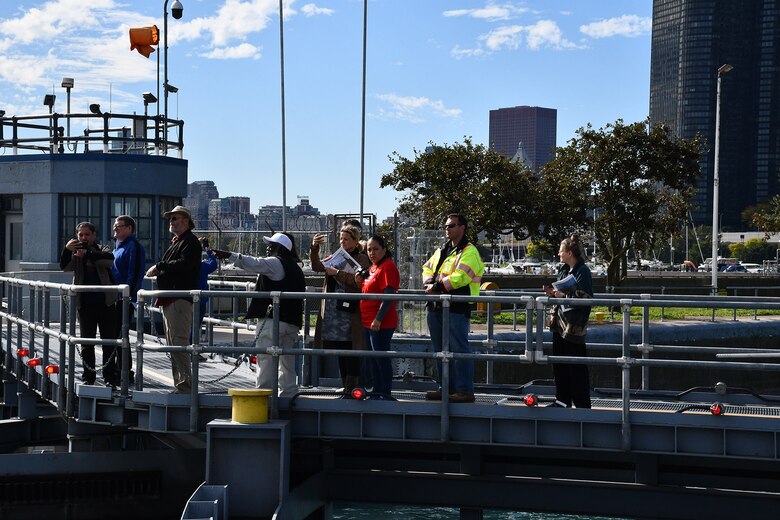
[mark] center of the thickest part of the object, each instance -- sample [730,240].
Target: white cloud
[313,10]
[503,37]
[459,53]
[413,109]
[244,50]
[544,33]
[629,25]
[490,12]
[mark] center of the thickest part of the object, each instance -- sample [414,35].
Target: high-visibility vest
[460,273]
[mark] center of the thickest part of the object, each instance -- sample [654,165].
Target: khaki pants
[288,337]
[177,318]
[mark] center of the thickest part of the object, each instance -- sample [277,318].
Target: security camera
[177,10]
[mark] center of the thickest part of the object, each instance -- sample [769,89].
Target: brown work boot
[461,397]
[433,395]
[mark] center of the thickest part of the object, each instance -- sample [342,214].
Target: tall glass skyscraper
[535,127]
[691,40]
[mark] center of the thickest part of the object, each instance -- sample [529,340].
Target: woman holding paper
[569,325]
[338,323]
[379,317]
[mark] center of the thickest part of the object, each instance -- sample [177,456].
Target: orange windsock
[142,39]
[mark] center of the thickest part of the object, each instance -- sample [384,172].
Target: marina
[640,452]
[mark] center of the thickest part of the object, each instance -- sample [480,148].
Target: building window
[78,208]
[140,208]
[15,241]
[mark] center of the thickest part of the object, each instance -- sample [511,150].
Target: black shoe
[556,404]
[111,384]
[87,380]
[433,395]
[462,397]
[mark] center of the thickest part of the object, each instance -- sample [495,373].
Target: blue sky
[435,69]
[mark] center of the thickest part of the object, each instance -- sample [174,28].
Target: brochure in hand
[343,261]
[565,285]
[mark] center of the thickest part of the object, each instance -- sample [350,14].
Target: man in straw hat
[279,271]
[178,270]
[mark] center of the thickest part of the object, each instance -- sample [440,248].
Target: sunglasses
[450,226]
[174,218]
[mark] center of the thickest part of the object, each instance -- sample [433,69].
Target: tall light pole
[716,181]
[177,10]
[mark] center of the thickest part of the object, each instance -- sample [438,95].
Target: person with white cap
[178,270]
[279,271]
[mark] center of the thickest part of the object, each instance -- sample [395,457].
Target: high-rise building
[199,193]
[534,127]
[691,40]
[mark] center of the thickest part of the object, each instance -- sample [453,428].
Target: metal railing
[113,133]
[31,313]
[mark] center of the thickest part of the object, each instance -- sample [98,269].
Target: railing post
[46,322]
[626,368]
[274,399]
[140,323]
[194,360]
[64,364]
[529,329]
[490,343]
[445,367]
[71,396]
[645,343]
[125,346]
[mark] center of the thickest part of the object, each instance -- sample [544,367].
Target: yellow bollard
[482,306]
[599,317]
[250,405]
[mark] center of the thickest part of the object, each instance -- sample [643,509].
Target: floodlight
[67,82]
[170,88]
[149,98]
[48,100]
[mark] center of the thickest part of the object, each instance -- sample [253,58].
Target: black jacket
[290,311]
[180,265]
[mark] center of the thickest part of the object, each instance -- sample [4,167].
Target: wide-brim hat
[280,238]
[181,210]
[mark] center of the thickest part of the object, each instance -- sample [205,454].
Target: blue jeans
[381,368]
[461,370]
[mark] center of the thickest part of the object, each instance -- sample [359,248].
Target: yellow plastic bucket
[250,405]
[599,317]
[483,306]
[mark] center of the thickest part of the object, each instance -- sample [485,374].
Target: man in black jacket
[279,271]
[91,265]
[178,270]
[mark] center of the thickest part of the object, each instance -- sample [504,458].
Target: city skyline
[434,71]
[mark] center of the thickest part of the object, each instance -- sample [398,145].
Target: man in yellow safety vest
[456,268]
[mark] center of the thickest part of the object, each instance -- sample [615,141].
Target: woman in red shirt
[379,317]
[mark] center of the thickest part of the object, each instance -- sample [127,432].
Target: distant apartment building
[199,193]
[231,213]
[531,128]
[691,40]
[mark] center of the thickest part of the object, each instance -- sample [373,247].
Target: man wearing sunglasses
[178,270]
[456,269]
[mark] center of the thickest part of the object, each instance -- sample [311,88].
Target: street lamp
[724,69]
[177,10]
[67,84]
[148,98]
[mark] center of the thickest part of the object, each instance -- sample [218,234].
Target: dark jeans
[381,368]
[92,318]
[572,382]
[461,370]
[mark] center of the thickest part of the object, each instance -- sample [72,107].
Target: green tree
[767,216]
[753,251]
[638,177]
[497,195]
[542,249]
